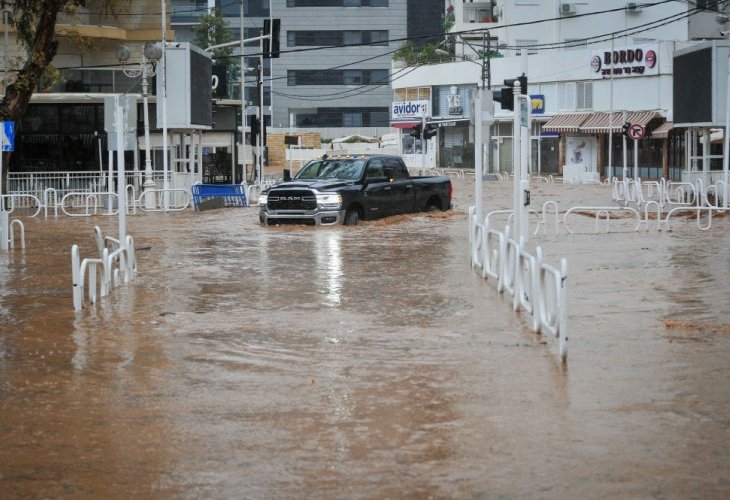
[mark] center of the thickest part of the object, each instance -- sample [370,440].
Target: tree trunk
[40,54]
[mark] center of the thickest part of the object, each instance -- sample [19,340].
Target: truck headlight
[331,200]
[263,199]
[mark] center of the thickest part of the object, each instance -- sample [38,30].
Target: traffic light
[271,45]
[416,131]
[430,131]
[505,97]
[523,84]
[625,129]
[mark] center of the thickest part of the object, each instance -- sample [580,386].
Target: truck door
[401,196]
[376,190]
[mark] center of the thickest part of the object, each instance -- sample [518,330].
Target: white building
[573,78]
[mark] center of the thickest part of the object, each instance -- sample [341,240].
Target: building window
[337,77]
[336,3]
[575,96]
[326,38]
[584,95]
[341,117]
[526,43]
[413,94]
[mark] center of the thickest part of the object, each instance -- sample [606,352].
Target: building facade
[581,80]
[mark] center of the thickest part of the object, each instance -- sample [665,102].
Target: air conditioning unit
[633,7]
[567,8]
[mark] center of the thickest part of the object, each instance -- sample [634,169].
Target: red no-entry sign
[637,132]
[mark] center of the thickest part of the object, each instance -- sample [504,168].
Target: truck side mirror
[287,175]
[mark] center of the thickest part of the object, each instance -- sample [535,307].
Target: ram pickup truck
[344,190]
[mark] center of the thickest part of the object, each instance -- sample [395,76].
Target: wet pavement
[364,362]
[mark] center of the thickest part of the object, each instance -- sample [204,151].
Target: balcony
[471,15]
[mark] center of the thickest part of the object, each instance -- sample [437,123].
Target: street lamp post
[146,69]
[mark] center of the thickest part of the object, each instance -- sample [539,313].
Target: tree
[213,29]
[35,25]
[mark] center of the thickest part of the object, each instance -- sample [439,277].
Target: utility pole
[243,109]
[262,125]
[483,119]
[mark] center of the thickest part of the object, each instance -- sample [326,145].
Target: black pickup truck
[343,190]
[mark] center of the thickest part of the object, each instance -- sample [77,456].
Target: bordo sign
[625,61]
[623,56]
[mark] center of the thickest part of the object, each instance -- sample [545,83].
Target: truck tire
[433,204]
[351,218]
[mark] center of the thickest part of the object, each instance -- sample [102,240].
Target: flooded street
[364,362]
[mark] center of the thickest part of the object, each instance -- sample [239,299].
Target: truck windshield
[344,168]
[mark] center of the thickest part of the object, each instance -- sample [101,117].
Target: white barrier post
[4,226]
[563,310]
[77,288]
[121,185]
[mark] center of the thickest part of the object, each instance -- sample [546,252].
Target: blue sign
[538,104]
[8,136]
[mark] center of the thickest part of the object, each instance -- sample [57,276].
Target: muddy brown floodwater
[364,362]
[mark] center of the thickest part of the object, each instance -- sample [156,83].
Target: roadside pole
[7,143]
[726,142]
[516,163]
[423,145]
[478,153]
[636,159]
[625,153]
[121,184]
[4,217]
[525,143]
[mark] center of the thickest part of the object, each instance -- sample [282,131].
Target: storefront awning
[603,123]
[404,124]
[565,123]
[662,131]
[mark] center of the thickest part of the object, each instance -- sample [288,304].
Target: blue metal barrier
[233,195]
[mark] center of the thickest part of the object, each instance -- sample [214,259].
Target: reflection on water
[328,254]
[363,361]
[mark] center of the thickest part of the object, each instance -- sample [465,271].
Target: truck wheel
[352,217]
[433,205]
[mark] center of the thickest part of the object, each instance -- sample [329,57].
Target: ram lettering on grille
[292,200]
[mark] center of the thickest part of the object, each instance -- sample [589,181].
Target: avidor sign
[638,60]
[403,110]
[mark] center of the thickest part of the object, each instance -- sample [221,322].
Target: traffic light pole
[423,145]
[626,160]
[521,160]
[262,125]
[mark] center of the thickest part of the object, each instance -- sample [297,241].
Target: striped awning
[603,123]
[662,131]
[569,122]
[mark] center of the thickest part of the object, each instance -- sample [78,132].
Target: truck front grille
[292,199]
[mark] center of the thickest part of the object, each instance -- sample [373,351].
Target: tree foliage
[35,25]
[430,53]
[213,29]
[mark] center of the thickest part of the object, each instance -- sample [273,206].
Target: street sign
[523,112]
[637,132]
[8,136]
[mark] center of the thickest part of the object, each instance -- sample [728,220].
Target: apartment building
[334,71]
[584,60]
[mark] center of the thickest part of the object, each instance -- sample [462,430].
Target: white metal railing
[21,202]
[21,230]
[536,287]
[178,199]
[601,213]
[116,263]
